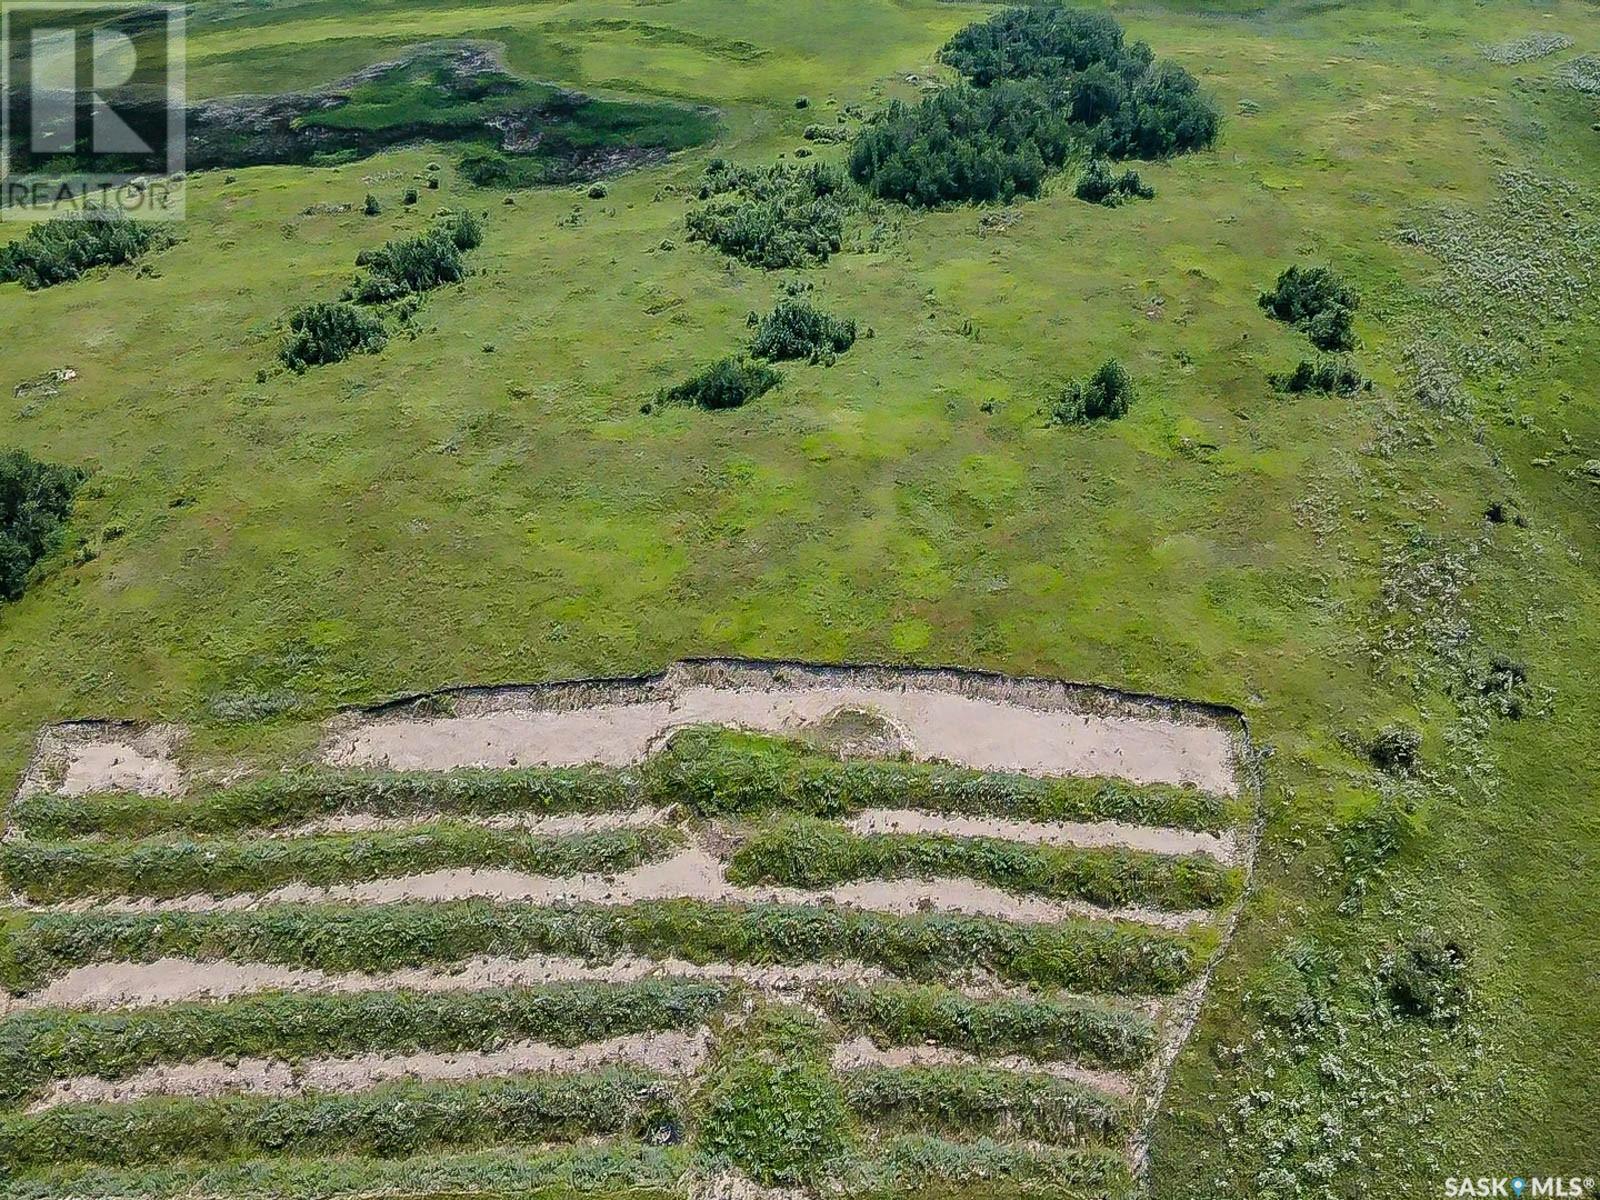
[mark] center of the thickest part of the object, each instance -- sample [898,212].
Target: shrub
[782,217]
[1317,302]
[408,267]
[1329,376]
[1395,748]
[598,191]
[795,329]
[410,197]
[1427,978]
[1105,395]
[329,333]
[35,500]
[1099,186]
[464,230]
[726,383]
[372,208]
[62,249]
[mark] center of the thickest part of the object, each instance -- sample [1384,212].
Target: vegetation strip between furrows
[48,872]
[903,1162]
[1086,1031]
[1080,955]
[804,852]
[638,1170]
[977,1099]
[37,1048]
[710,772]
[385,1121]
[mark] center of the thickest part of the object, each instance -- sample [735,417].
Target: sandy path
[861,1052]
[175,980]
[983,733]
[1156,839]
[693,874]
[537,824]
[673,1052]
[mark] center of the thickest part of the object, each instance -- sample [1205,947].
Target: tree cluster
[1041,81]
[1318,302]
[62,249]
[779,217]
[1105,395]
[35,499]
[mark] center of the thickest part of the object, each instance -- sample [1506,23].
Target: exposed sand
[673,1052]
[991,734]
[862,1052]
[538,824]
[175,980]
[693,873]
[1155,839]
[77,758]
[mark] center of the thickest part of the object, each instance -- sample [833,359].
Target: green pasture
[487,502]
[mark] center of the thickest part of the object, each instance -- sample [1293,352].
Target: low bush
[781,217]
[62,249]
[1105,395]
[795,329]
[52,872]
[805,852]
[1098,185]
[1396,748]
[1068,1028]
[1427,978]
[1329,376]
[977,1100]
[726,383]
[770,1106]
[35,501]
[385,1122]
[1316,301]
[38,1047]
[408,267]
[328,333]
[1079,954]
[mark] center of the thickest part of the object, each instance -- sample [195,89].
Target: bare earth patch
[78,758]
[978,721]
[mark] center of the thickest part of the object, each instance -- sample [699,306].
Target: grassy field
[487,501]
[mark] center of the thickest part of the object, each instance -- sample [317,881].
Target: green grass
[436,515]
[977,1100]
[51,872]
[645,1172]
[38,1047]
[386,1122]
[1079,955]
[1081,1030]
[810,853]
